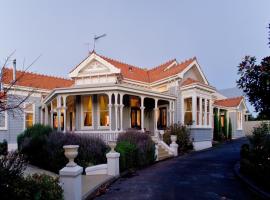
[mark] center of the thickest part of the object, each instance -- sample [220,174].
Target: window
[29,115]
[3,120]
[104,119]
[203,111]
[87,111]
[208,111]
[198,110]
[239,120]
[188,111]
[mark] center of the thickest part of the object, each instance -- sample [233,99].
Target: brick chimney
[14,69]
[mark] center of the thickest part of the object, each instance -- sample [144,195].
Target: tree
[8,101]
[216,128]
[230,129]
[255,82]
[225,126]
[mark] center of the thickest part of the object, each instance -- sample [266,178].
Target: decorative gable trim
[92,58]
[196,64]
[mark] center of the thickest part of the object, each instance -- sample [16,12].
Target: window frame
[188,111]
[25,112]
[99,112]
[82,113]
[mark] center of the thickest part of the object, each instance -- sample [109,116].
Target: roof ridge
[158,66]
[39,74]
[237,97]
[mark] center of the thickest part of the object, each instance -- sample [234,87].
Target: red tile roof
[230,102]
[157,73]
[28,79]
[189,81]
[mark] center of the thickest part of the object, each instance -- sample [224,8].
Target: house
[105,97]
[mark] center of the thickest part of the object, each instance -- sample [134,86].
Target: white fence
[106,136]
[249,125]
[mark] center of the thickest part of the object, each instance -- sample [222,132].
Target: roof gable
[230,102]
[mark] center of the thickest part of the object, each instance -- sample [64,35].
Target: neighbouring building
[105,97]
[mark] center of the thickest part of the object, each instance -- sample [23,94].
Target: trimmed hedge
[183,137]
[3,147]
[44,148]
[137,150]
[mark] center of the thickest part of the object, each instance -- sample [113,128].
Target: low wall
[249,125]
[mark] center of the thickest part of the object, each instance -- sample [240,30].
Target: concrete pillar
[113,163]
[142,113]
[65,113]
[116,110]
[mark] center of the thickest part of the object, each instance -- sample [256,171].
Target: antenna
[97,38]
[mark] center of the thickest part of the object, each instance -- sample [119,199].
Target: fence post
[113,160]
[71,175]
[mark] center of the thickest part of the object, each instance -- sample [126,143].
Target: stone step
[163,153]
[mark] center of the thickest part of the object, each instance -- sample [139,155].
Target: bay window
[104,110]
[87,111]
[29,115]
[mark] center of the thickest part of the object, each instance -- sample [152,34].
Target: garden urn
[71,152]
[112,145]
[173,139]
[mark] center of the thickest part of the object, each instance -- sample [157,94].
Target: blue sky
[143,33]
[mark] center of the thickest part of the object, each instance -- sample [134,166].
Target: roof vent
[130,69]
[14,69]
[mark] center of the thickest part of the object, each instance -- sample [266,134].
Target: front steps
[163,153]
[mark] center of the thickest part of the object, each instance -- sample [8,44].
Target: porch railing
[105,136]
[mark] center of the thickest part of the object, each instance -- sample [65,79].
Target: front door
[135,118]
[162,119]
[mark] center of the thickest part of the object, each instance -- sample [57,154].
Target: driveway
[200,175]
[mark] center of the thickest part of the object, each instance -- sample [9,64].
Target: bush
[144,149]
[92,150]
[3,147]
[255,158]
[183,137]
[230,129]
[14,186]
[128,155]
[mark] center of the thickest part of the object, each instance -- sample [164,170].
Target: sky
[142,33]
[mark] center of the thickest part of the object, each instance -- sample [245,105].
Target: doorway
[135,118]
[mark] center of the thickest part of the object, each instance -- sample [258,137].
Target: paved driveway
[199,175]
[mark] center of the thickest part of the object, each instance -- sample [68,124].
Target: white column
[46,114]
[194,109]
[205,112]
[142,113]
[156,117]
[116,110]
[121,111]
[42,115]
[172,112]
[211,113]
[110,110]
[65,112]
[52,111]
[58,113]
[200,114]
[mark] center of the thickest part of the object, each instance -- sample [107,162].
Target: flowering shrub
[183,137]
[143,149]
[255,157]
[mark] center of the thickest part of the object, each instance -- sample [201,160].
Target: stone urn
[173,139]
[112,145]
[161,132]
[71,152]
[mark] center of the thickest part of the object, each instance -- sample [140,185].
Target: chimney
[14,69]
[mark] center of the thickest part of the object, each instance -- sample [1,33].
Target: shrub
[183,137]
[128,155]
[32,143]
[216,126]
[91,150]
[3,147]
[230,129]
[144,151]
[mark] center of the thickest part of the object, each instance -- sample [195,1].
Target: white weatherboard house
[106,97]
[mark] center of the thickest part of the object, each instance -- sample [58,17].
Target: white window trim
[82,112]
[24,115]
[5,128]
[98,115]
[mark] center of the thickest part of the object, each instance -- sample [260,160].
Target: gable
[93,65]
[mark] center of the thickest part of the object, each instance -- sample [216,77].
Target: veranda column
[52,114]
[211,113]
[42,115]
[65,112]
[172,112]
[110,110]
[205,112]
[121,111]
[58,113]
[194,98]
[200,113]
[116,110]
[46,114]
[142,113]
[156,117]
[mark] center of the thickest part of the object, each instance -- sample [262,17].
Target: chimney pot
[14,69]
